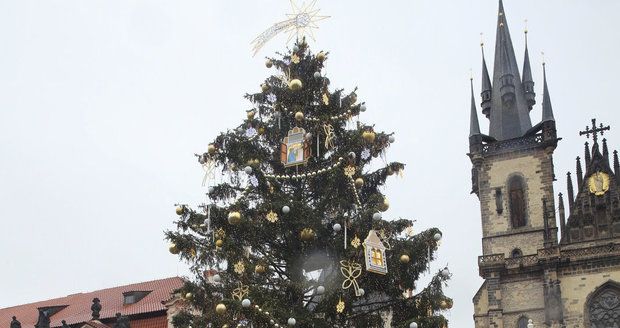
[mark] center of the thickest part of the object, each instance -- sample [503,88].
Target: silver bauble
[413,325]
[317,75]
[362,108]
[437,237]
[247,170]
[320,290]
[377,216]
[285,209]
[246,303]
[337,227]
[292,321]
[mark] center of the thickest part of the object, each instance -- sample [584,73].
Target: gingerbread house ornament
[374,251]
[294,149]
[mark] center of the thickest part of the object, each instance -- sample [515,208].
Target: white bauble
[285,209]
[246,303]
[337,227]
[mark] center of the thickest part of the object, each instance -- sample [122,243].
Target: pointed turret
[528,82]
[547,110]
[562,215]
[474,126]
[586,153]
[579,174]
[486,87]
[605,150]
[509,112]
[571,193]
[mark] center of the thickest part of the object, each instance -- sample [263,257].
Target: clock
[598,183]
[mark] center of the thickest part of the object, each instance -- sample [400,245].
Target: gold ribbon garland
[240,292]
[351,271]
[329,136]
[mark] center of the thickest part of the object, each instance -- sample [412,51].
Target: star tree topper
[301,21]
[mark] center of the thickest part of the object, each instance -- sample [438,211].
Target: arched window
[516,253]
[522,323]
[603,307]
[518,209]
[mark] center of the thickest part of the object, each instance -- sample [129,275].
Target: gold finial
[525,31]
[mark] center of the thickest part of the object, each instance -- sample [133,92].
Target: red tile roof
[155,322]
[78,305]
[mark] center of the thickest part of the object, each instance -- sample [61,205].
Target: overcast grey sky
[103,103]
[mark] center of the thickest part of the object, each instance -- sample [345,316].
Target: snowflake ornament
[253,181]
[365,154]
[251,132]
[272,98]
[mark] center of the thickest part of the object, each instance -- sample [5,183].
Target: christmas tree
[295,234]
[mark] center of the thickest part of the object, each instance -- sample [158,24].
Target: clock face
[598,183]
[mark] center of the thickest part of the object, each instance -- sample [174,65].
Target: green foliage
[317,202]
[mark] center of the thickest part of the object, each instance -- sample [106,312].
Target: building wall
[577,283]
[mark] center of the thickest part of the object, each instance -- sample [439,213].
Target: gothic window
[522,323]
[518,208]
[604,307]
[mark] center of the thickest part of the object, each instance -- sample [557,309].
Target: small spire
[474,126]
[605,150]
[528,81]
[486,85]
[579,174]
[571,194]
[562,215]
[547,111]
[616,163]
[587,157]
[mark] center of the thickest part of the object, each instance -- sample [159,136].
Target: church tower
[529,273]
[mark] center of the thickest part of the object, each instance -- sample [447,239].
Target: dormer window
[134,296]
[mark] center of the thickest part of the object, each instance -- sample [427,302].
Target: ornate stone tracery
[604,307]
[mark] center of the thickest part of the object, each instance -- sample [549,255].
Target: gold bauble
[369,136]
[268,63]
[385,205]
[264,87]
[250,115]
[320,56]
[445,304]
[189,296]
[259,268]
[295,84]
[299,116]
[390,171]
[219,243]
[173,249]
[211,149]
[234,218]
[307,234]
[225,326]
[353,98]
[220,308]
[359,182]
[180,210]
[261,130]
[404,258]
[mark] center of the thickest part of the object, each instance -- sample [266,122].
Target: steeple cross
[594,131]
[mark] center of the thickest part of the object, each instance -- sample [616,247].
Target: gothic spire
[586,153]
[571,193]
[579,174]
[486,86]
[474,126]
[547,111]
[509,112]
[528,82]
[605,150]
[562,215]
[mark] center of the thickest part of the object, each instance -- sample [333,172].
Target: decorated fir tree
[296,232]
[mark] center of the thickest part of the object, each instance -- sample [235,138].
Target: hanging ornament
[377,216]
[220,308]
[247,170]
[317,75]
[286,209]
[272,98]
[299,116]
[374,251]
[272,216]
[219,243]
[307,234]
[369,136]
[180,210]
[220,233]
[295,84]
[329,136]
[404,259]
[340,306]
[217,278]
[261,130]
[246,303]
[268,63]
[363,108]
[264,87]
[239,267]
[413,325]
[294,150]
[292,321]
[383,206]
[320,56]
[359,183]
[260,269]
[234,218]
[325,99]
[391,139]
[437,236]
[250,114]
[320,290]
[356,242]
[295,59]
[349,171]
[337,227]
[173,249]
[365,154]
[250,133]
[211,149]
[253,181]
[351,271]
[208,166]
[240,292]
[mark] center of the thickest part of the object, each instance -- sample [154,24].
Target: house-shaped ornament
[374,251]
[294,149]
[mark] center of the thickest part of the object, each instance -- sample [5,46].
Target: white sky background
[103,104]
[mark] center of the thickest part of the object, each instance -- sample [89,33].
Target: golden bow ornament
[351,271]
